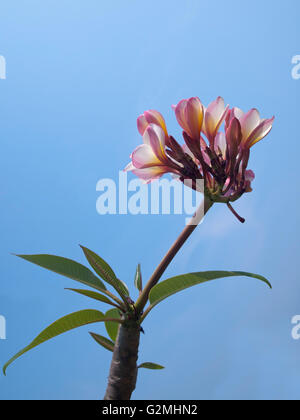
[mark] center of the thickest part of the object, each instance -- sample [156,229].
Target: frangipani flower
[213,119]
[189,114]
[221,161]
[151,117]
[149,160]
[253,127]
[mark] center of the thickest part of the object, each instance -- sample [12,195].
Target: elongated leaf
[112,328]
[62,325]
[175,284]
[105,271]
[93,295]
[149,365]
[67,268]
[103,341]
[138,278]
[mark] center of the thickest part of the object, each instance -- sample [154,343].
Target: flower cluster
[218,157]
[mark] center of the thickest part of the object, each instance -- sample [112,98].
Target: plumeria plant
[219,159]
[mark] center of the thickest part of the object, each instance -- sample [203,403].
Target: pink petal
[237,113]
[233,113]
[261,131]
[214,117]
[234,133]
[155,137]
[150,174]
[194,117]
[223,116]
[180,113]
[220,144]
[216,108]
[143,157]
[209,125]
[142,124]
[155,117]
[249,122]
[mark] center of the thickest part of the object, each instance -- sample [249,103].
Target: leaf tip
[4,369]
[267,282]
[150,365]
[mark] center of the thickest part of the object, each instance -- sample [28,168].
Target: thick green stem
[123,368]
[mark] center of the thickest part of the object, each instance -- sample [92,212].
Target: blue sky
[78,75]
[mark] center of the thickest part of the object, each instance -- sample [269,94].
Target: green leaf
[103,341]
[105,271]
[138,278]
[175,284]
[67,268]
[93,295]
[112,328]
[62,325]
[149,365]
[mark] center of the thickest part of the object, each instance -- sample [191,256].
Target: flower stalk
[123,370]
[182,238]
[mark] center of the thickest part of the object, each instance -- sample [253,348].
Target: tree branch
[185,234]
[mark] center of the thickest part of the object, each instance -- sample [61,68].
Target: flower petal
[261,131]
[156,137]
[216,108]
[143,157]
[220,144]
[154,117]
[237,113]
[150,174]
[194,117]
[214,116]
[180,113]
[234,134]
[142,124]
[249,122]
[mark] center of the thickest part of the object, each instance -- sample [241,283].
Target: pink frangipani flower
[151,117]
[189,114]
[218,157]
[253,127]
[149,161]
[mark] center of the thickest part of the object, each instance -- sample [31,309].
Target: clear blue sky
[78,75]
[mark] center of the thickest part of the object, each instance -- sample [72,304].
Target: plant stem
[185,234]
[241,219]
[123,368]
